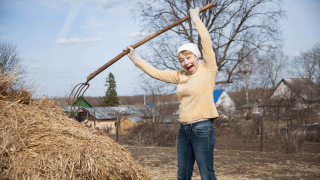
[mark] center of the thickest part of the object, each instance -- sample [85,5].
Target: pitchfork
[82,87]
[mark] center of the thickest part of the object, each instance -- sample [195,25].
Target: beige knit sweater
[195,92]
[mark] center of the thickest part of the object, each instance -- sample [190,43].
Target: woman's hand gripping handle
[131,55]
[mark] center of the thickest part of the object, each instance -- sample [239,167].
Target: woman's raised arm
[209,58]
[162,75]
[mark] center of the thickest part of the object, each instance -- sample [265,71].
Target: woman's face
[189,63]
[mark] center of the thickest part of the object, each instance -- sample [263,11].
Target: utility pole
[117,130]
[261,133]
[153,117]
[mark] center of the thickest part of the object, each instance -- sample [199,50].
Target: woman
[196,82]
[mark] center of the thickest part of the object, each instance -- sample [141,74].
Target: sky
[62,41]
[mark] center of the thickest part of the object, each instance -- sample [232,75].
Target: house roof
[83,103]
[217,94]
[161,103]
[134,119]
[111,112]
[302,87]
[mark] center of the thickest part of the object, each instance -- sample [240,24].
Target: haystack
[38,141]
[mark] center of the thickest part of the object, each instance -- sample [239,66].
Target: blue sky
[62,41]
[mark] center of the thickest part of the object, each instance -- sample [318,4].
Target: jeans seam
[188,164]
[208,150]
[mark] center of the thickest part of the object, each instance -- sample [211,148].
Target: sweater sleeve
[209,58]
[162,75]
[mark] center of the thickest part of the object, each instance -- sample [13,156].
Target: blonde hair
[185,52]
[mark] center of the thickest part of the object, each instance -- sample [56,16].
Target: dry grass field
[237,160]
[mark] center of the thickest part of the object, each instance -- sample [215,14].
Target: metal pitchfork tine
[84,86]
[75,96]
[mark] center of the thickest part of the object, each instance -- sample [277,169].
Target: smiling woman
[188,55]
[196,82]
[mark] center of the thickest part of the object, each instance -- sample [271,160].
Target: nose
[187,61]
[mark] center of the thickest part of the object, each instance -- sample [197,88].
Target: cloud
[74,41]
[2,28]
[296,54]
[137,34]
[3,37]
[72,14]
[46,23]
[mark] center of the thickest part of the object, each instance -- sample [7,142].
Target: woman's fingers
[129,47]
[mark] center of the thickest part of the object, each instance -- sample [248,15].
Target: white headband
[191,47]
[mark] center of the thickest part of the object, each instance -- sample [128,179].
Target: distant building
[105,118]
[82,103]
[301,89]
[77,106]
[224,103]
[294,93]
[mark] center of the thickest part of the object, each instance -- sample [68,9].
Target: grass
[166,147]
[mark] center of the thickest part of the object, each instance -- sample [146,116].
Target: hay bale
[38,141]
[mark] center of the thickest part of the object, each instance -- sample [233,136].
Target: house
[82,103]
[127,122]
[302,90]
[77,106]
[290,94]
[224,103]
[105,118]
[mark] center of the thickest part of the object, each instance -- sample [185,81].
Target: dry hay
[38,141]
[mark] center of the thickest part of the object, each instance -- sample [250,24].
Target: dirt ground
[237,159]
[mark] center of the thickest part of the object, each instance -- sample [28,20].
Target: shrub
[165,135]
[248,117]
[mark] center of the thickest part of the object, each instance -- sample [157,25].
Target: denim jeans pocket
[201,131]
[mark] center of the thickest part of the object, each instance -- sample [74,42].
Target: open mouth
[189,67]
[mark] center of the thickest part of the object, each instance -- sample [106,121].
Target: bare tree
[307,64]
[274,62]
[316,56]
[10,59]
[248,70]
[232,24]
[161,95]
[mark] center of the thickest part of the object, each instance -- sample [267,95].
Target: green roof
[83,103]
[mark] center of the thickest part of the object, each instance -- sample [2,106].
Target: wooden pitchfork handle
[98,71]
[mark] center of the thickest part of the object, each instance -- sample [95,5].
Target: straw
[39,141]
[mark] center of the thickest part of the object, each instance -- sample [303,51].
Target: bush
[165,135]
[248,117]
[292,142]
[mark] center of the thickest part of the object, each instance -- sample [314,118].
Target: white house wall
[281,91]
[227,104]
[225,101]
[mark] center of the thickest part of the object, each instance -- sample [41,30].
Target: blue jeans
[196,142]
